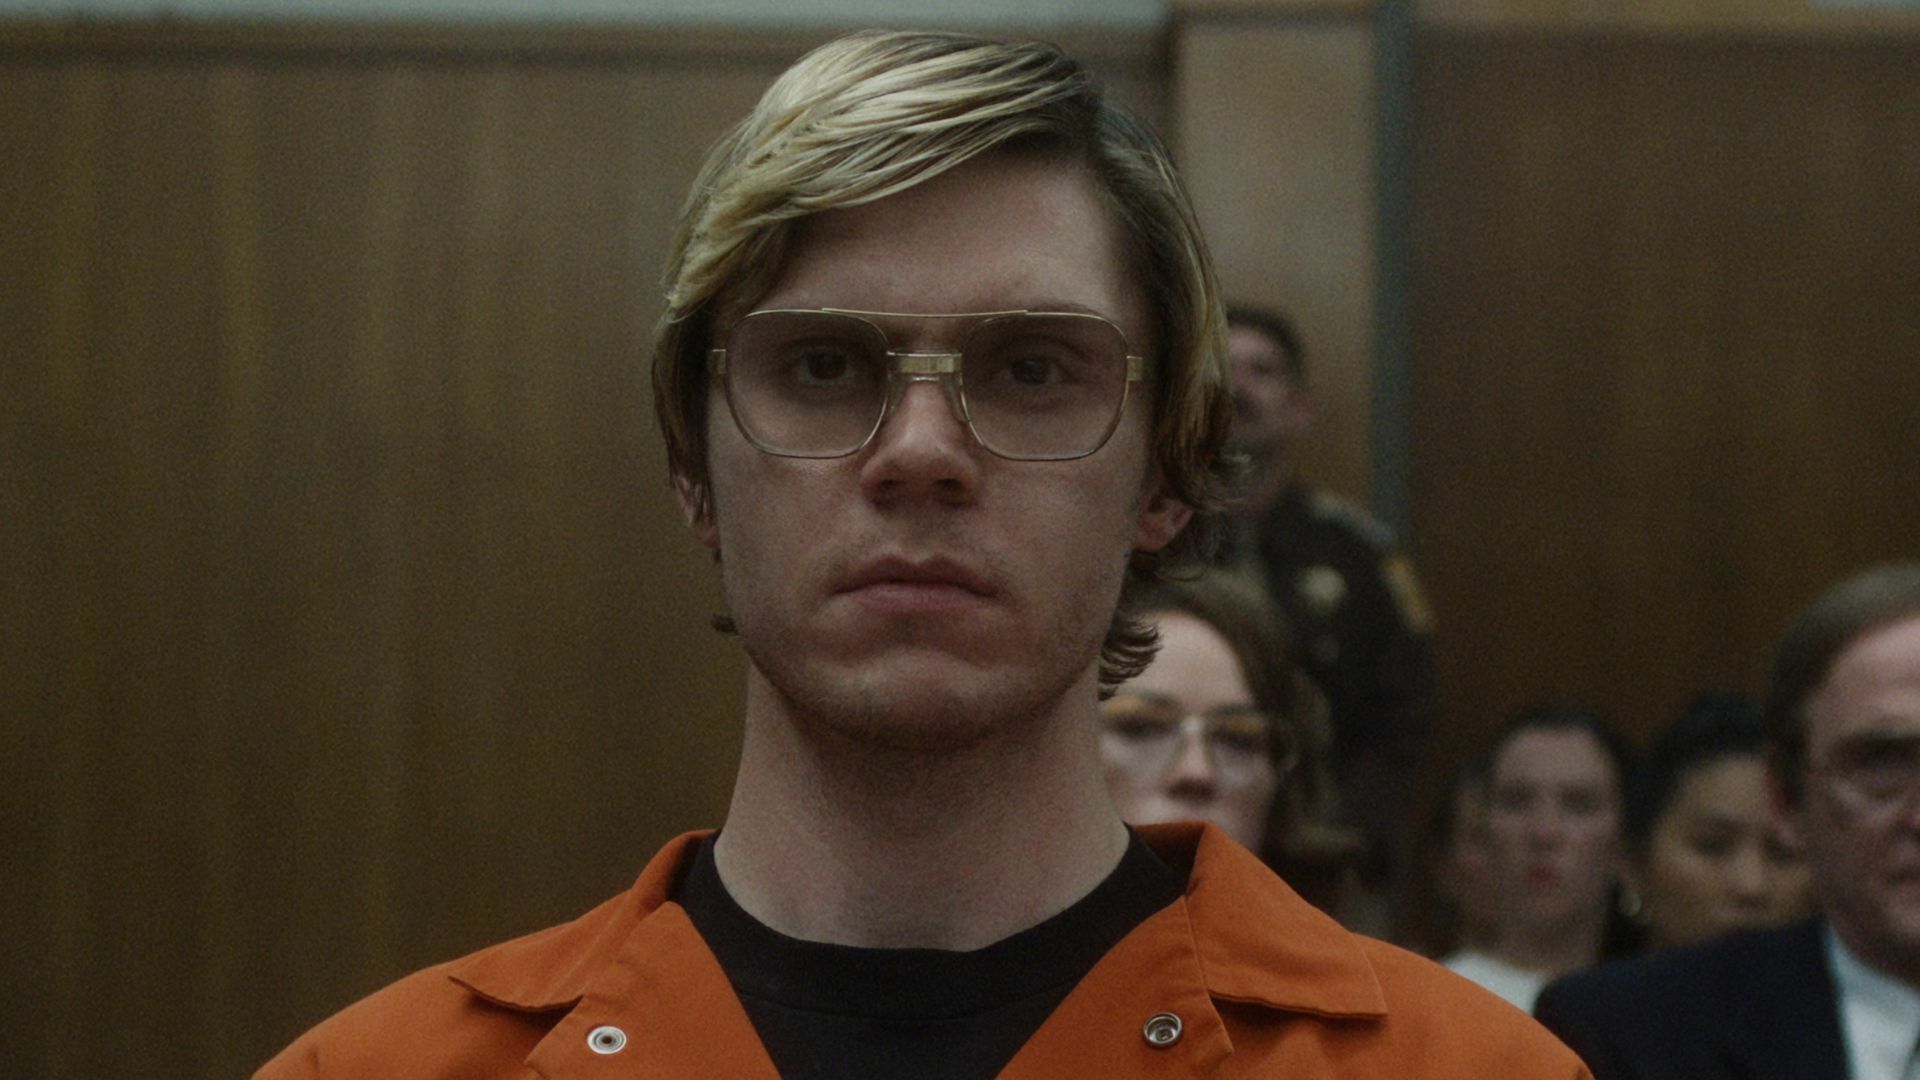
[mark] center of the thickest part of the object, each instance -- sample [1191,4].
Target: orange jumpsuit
[1239,978]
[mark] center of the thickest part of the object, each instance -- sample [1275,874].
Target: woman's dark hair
[1714,726]
[1566,716]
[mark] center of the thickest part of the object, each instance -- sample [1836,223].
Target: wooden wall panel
[348,624]
[1667,370]
[1276,131]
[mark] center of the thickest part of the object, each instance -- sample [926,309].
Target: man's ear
[1161,517]
[696,505]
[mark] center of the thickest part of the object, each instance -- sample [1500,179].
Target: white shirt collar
[1879,1015]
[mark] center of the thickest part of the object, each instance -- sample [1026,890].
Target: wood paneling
[1275,119]
[1667,365]
[348,624]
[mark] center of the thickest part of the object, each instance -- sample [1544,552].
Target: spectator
[1352,599]
[1462,899]
[1553,836]
[1222,727]
[1706,853]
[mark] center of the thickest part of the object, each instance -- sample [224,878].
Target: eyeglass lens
[1875,772]
[1237,737]
[1033,386]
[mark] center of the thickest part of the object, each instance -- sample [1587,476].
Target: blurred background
[347,624]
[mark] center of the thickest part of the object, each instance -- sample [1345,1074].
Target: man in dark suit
[1837,998]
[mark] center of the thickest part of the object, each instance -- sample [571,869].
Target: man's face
[1269,410]
[1553,825]
[922,591]
[1859,817]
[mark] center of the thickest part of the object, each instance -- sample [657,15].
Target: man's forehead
[1873,687]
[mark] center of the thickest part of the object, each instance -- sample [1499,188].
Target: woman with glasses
[1222,727]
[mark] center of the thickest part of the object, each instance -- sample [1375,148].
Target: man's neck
[834,840]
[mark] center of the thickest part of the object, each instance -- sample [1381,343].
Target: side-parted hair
[875,113]
[1839,617]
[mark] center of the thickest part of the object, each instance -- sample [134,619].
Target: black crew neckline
[925,985]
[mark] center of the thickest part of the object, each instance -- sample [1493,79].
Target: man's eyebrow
[1877,739]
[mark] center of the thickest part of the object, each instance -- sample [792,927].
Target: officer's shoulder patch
[1340,512]
[1407,594]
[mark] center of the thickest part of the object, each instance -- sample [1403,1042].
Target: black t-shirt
[838,1011]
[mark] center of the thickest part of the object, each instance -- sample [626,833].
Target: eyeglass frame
[1278,749]
[940,366]
[1846,790]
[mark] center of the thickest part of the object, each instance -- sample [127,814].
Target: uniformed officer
[1356,610]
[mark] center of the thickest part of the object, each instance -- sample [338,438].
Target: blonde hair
[875,113]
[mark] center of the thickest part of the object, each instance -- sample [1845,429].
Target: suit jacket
[1755,1006]
[1254,982]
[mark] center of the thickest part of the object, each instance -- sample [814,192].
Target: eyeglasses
[1028,385]
[1149,731]
[1872,774]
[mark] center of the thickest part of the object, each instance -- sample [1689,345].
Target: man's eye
[1133,727]
[822,366]
[1033,370]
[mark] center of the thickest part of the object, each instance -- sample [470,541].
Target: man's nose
[922,444]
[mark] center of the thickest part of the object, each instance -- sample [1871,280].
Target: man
[1351,598]
[938,377]
[1838,997]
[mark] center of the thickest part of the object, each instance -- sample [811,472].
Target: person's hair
[1713,727]
[1839,617]
[1565,716]
[876,113]
[1278,329]
[1300,838]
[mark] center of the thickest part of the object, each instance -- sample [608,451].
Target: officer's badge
[1322,587]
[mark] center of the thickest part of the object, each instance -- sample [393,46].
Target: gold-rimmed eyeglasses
[1028,385]
[1242,742]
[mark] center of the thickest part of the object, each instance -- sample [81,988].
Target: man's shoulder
[484,1012]
[1342,519]
[1672,983]
[1763,996]
[426,1025]
[1456,1019]
[1296,987]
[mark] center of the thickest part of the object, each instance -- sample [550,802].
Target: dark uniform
[1363,632]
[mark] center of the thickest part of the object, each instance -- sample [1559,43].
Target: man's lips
[916,585]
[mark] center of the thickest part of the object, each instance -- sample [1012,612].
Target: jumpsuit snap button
[607,1039]
[1162,1030]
